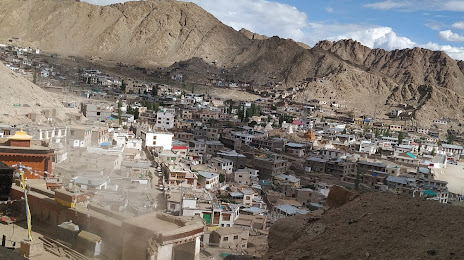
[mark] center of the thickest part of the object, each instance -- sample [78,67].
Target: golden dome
[310,135]
[20,135]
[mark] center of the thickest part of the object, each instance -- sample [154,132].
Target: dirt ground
[15,234]
[454,175]
[372,226]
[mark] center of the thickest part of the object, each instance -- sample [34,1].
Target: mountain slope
[162,33]
[372,226]
[153,32]
[20,96]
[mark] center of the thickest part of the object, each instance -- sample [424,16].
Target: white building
[157,139]
[208,180]
[91,182]
[219,163]
[246,176]
[164,120]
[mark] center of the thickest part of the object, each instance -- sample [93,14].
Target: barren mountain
[21,97]
[162,33]
[154,32]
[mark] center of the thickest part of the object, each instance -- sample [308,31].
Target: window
[225,239]
[98,113]
[235,237]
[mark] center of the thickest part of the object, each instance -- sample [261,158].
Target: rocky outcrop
[372,226]
[339,196]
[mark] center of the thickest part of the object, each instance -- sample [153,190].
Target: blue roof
[253,210]
[295,145]
[397,179]
[105,144]
[236,194]
[291,210]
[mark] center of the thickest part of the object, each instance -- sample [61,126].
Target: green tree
[252,124]
[154,91]
[433,152]
[120,112]
[222,178]
[387,133]
[123,86]
[344,131]
[377,133]
[450,139]
[136,113]
[193,89]
[400,137]
[34,79]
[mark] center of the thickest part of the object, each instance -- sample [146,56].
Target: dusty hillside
[21,97]
[372,226]
[17,90]
[153,32]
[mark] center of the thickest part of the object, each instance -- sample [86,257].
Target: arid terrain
[372,226]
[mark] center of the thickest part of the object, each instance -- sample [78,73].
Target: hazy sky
[390,24]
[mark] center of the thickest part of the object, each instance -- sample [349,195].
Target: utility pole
[28,213]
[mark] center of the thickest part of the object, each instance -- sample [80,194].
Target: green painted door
[207,218]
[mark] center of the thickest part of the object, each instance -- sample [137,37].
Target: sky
[387,24]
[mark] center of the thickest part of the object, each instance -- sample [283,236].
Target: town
[190,175]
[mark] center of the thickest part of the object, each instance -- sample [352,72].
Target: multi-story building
[221,165]
[271,144]
[157,140]
[96,111]
[239,160]
[212,147]
[197,147]
[270,166]
[80,136]
[340,168]
[315,164]
[208,180]
[165,120]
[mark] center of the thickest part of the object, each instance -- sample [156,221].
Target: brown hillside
[153,32]
[372,226]
[21,97]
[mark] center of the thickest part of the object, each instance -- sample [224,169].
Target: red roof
[179,148]
[296,122]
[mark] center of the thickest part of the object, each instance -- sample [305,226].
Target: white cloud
[458,25]
[435,25]
[387,5]
[379,37]
[329,10]
[260,16]
[453,6]
[454,52]
[450,36]
[432,5]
